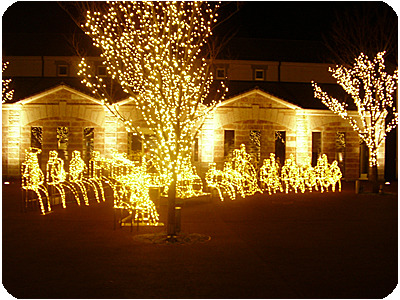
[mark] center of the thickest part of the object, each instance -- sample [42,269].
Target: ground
[312,245]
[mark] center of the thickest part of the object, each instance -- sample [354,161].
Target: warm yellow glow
[130,184]
[237,177]
[33,178]
[153,50]
[189,184]
[372,90]
[55,174]
[240,177]
[269,175]
[6,92]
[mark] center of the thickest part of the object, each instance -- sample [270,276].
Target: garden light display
[33,178]
[56,175]
[245,173]
[131,189]
[155,52]
[95,171]
[221,180]
[237,177]
[230,181]
[269,175]
[77,168]
[372,90]
[291,177]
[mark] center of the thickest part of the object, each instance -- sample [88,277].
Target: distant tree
[156,52]
[372,90]
[363,27]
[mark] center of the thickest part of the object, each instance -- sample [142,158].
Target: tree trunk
[171,224]
[373,178]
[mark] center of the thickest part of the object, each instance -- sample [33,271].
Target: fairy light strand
[372,90]
[153,50]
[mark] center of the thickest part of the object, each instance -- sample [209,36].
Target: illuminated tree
[155,51]
[372,90]
[6,92]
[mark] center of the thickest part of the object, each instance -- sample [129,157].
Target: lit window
[62,70]
[220,73]
[259,74]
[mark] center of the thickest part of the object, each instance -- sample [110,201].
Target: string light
[131,184]
[6,92]
[237,177]
[372,90]
[153,50]
[269,175]
[234,179]
[33,177]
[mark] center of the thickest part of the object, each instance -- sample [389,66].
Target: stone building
[269,107]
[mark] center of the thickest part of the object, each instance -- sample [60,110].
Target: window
[135,147]
[88,143]
[62,143]
[315,147]
[259,74]
[255,145]
[101,71]
[37,140]
[62,70]
[229,142]
[220,73]
[36,137]
[280,146]
[340,150]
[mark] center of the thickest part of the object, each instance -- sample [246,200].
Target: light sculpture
[221,180]
[233,180]
[56,177]
[189,184]
[372,90]
[237,177]
[154,51]
[247,175]
[309,176]
[269,175]
[33,177]
[130,184]
[78,167]
[55,174]
[291,176]
[95,171]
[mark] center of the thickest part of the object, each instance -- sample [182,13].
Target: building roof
[300,94]
[25,87]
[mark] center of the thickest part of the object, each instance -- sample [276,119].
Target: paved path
[281,246]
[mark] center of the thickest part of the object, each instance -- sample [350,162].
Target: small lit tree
[372,90]
[7,93]
[155,51]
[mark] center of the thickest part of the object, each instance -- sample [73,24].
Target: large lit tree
[372,90]
[156,52]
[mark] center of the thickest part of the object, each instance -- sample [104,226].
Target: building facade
[270,108]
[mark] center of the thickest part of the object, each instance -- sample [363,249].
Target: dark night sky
[29,25]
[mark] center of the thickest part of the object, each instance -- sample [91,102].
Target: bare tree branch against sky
[28,24]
